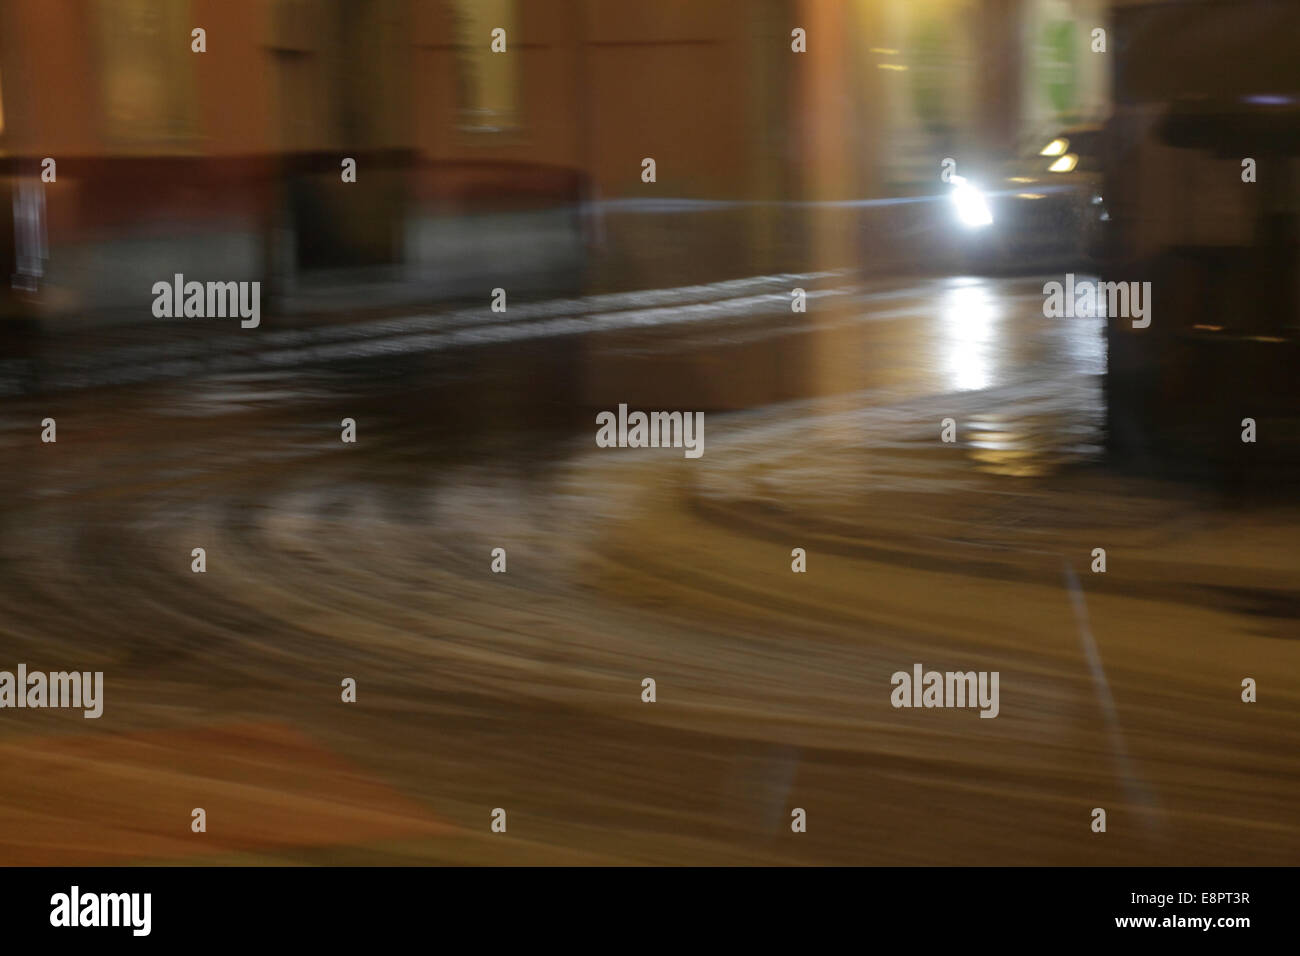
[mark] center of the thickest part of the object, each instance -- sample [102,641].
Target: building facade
[481,155]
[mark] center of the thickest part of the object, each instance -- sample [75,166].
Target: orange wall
[49,78]
[668,81]
[233,78]
[53,94]
[603,83]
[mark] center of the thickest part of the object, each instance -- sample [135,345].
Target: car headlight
[972,210]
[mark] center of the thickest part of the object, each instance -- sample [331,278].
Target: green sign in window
[1057,67]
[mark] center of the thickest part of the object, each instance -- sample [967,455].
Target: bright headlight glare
[972,210]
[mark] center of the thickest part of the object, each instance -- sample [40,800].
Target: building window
[146,79]
[487,82]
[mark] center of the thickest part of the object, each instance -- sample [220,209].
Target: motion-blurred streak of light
[968,328]
[29,234]
[670,205]
[1135,787]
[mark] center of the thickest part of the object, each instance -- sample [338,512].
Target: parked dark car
[1043,208]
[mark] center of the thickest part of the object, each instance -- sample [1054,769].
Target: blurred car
[1042,208]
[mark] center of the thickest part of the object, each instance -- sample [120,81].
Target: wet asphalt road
[522,690]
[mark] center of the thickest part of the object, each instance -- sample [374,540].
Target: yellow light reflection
[1065,164]
[1055,148]
[968,319]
